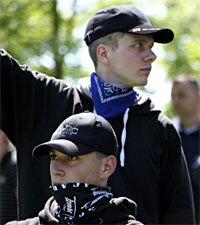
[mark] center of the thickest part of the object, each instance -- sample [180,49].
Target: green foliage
[36,33]
[168,110]
[183,54]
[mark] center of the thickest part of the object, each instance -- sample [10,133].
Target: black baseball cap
[81,134]
[125,18]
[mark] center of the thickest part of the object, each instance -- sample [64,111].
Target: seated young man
[83,153]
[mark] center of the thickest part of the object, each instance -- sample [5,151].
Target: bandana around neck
[76,201]
[110,101]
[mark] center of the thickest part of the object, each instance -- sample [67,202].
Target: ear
[109,166]
[102,54]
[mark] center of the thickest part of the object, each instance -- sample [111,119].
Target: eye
[72,158]
[53,156]
[138,45]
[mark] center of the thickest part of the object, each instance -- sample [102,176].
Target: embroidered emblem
[68,130]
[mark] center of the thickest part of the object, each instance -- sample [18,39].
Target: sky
[157,82]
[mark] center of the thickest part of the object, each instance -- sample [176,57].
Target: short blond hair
[111,40]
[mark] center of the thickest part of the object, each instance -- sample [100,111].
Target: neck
[190,121]
[108,78]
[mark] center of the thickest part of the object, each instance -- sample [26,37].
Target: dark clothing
[191,148]
[155,175]
[117,211]
[8,189]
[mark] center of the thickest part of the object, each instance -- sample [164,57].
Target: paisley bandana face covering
[78,200]
[110,101]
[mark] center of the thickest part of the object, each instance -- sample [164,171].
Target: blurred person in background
[186,100]
[8,181]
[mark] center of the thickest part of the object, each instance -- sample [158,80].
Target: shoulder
[143,105]
[125,203]
[176,121]
[151,116]
[123,210]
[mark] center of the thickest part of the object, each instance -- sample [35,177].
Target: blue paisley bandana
[110,101]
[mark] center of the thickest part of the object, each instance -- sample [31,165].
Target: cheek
[83,175]
[87,175]
[90,175]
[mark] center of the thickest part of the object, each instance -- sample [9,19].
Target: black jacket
[117,211]
[8,186]
[155,175]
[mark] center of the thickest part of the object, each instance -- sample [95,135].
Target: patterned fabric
[78,200]
[110,101]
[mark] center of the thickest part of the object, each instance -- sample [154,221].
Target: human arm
[29,100]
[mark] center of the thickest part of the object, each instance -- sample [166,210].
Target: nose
[151,56]
[56,169]
[175,100]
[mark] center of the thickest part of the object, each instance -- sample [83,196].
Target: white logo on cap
[69,130]
[145,29]
[136,29]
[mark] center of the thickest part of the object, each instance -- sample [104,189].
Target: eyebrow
[143,40]
[51,150]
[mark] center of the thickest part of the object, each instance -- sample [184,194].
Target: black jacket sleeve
[32,107]
[29,101]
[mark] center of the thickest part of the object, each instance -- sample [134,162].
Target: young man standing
[151,167]
[83,152]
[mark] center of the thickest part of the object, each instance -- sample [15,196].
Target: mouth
[56,183]
[177,108]
[146,70]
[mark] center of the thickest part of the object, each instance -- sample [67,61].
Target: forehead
[182,88]
[134,38]
[54,151]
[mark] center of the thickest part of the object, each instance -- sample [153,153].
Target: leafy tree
[36,33]
[183,54]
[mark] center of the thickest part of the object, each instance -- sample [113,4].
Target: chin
[142,83]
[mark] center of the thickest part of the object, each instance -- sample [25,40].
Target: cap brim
[160,35]
[65,146]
